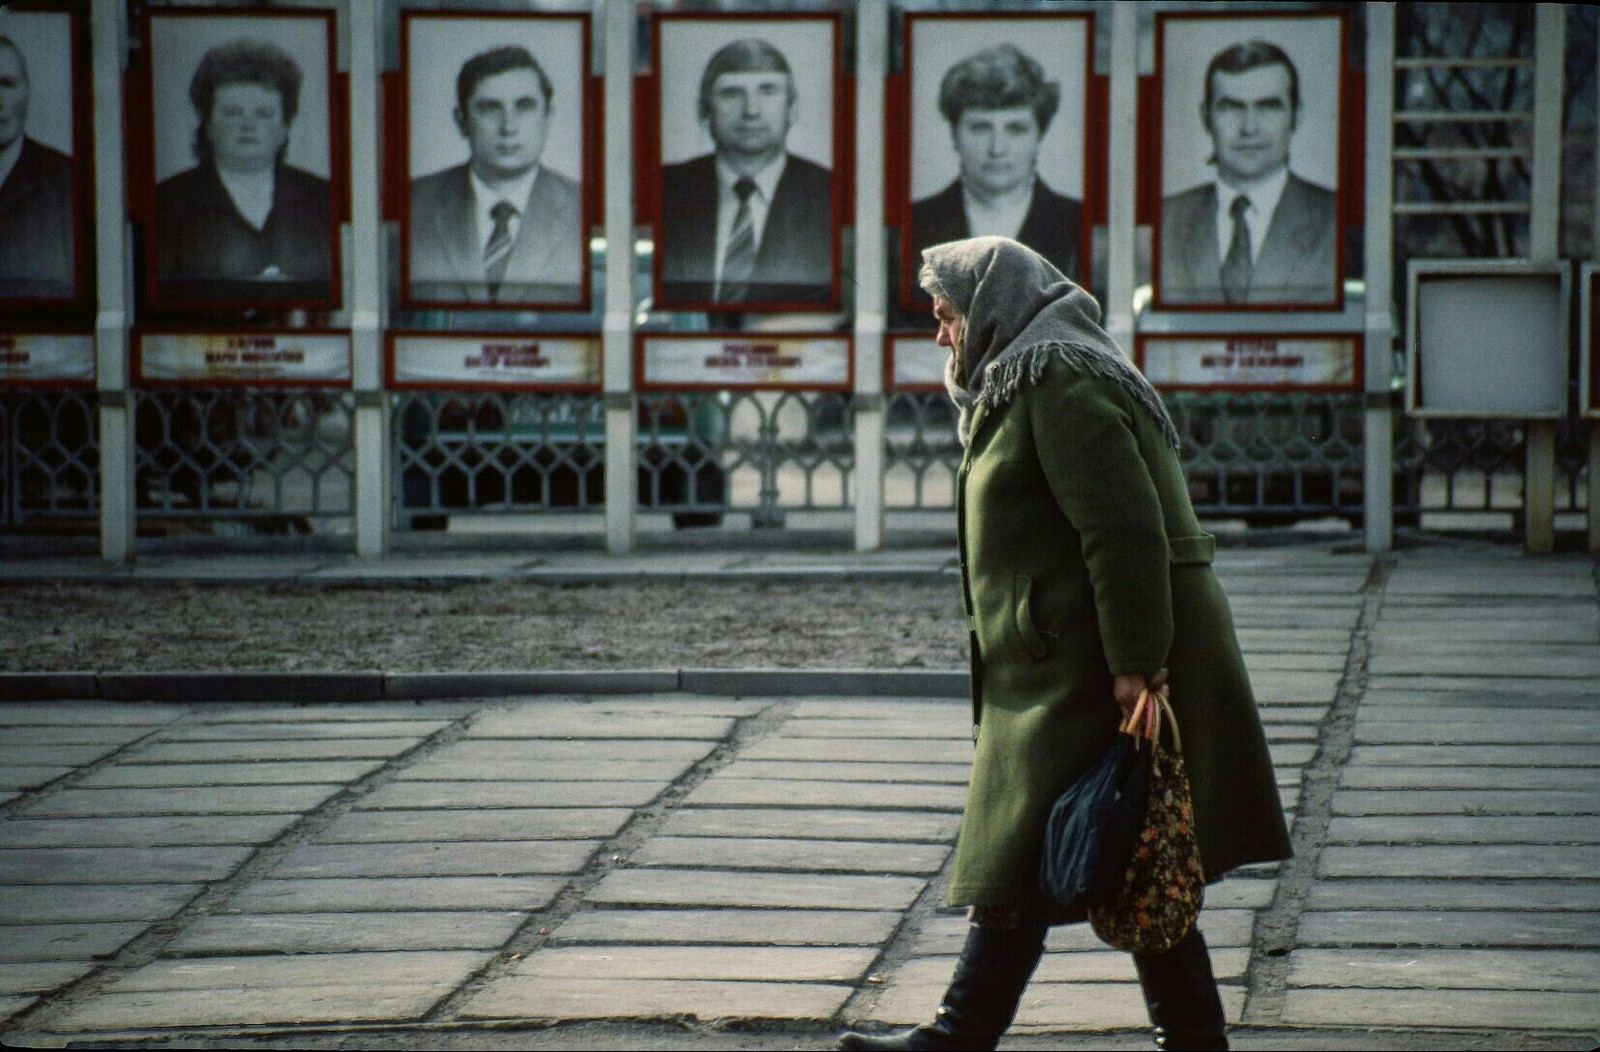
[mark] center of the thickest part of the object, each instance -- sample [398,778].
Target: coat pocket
[1022,614]
[1192,551]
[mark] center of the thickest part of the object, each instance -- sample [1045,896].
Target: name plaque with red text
[53,358]
[753,360]
[255,358]
[1289,362]
[500,360]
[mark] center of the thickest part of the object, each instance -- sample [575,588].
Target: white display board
[226,358]
[745,360]
[494,360]
[915,363]
[49,358]
[1252,362]
[1487,338]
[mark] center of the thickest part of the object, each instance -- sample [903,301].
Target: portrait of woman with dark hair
[999,106]
[243,224]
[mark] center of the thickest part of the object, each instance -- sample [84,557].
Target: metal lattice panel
[245,452]
[51,456]
[923,452]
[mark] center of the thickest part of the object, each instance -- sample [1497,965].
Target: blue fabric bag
[1093,827]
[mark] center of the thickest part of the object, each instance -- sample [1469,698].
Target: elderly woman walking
[1086,579]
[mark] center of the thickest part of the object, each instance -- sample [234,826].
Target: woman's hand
[1126,689]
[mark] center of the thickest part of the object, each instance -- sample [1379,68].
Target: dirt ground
[501,626]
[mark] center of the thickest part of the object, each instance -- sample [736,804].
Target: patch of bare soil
[479,627]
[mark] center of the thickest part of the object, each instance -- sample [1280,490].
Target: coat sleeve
[1084,432]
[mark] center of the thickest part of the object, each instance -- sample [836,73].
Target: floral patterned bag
[1157,898]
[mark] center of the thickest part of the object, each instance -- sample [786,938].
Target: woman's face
[944,312]
[246,126]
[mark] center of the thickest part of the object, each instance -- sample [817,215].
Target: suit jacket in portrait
[446,262]
[794,262]
[1298,261]
[207,250]
[1053,226]
[37,233]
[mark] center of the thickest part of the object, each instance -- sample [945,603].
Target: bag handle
[1144,723]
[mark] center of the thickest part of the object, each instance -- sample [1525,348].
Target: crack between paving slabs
[612,854]
[147,947]
[1276,928]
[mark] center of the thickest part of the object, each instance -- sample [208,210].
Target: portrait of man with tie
[502,228]
[1255,234]
[751,224]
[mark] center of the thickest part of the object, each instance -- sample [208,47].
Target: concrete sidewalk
[746,867]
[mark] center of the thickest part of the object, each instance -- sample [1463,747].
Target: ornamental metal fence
[49,457]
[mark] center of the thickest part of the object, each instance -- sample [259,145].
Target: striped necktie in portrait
[498,251]
[740,261]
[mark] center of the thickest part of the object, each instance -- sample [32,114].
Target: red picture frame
[40,165]
[1185,276]
[567,91]
[209,294]
[940,209]
[679,279]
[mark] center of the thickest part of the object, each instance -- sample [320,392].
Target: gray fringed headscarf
[1020,312]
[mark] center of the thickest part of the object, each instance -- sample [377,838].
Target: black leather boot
[994,969]
[1181,994]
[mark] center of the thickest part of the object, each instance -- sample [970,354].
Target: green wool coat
[1082,559]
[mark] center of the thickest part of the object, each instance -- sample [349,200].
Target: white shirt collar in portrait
[251,193]
[515,194]
[1002,220]
[1264,195]
[8,158]
[766,182]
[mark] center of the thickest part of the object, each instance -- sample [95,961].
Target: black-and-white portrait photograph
[495,119]
[242,124]
[998,107]
[40,204]
[748,218]
[1250,134]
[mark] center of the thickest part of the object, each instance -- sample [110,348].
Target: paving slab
[68,903]
[1465,829]
[222,731]
[721,791]
[1465,894]
[1583,779]
[1282,661]
[77,734]
[345,932]
[823,770]
[1271,686]
[1500,1010]
[662,702]
[452,768]
[615,753]
[695,887]
[518,997]
[246,751]
[1449,688]
[402,795]
[120,865]
[167,1009]
[953,724]
[933,710]
[1511,711]
[1448,928]
[88,714]
[1550,862]
[1514,728]
[1548,629]
[719,927]
[532,722]
[1474,755]
[506,823]
[57,942]
[429,859]
[172,830]
[356,712]
[10,1006]
[814,823]
[189,800]
[28,776]
[357,894]
[872,750]
[1415,969]
[260,772]
[81,755]
[303,970]
[823,964]
[818,856]
[39,977]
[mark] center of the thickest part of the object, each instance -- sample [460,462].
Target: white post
[872,56]
[1378,352]
[1549,67]
[620,401]
[118,492]
[1124,149]
[363,29]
